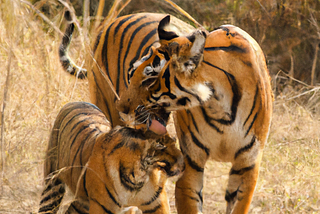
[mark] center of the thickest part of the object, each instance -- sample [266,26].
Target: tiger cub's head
[148,155]
[168,77]
[163,154]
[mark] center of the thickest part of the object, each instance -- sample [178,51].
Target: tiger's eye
[147,70]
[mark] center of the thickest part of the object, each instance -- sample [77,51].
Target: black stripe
[153,210]
[93,137]
[112,198]
[230,196]
[120,51]
[61,130]
[143,41]
[154,197]
[104,101]
[54,194]
[83,141]
[76,209]
[236,95]
[147,50]
[132,133]
[120,23]
[75,107]
[198,143]
[183,101]
[200,195]
[104,53]
[207,119]
[133,146]
[118,146]
[97,42]
[50,184]
[230,48]
[166,77]
[251,124]
[85,182]
[66,39]
[253,105]
[143,59]
[165,54]
[130,42]
[80,130]
[181,88]
[123,33]
[157,89]
[54,204]
[193,120]
[194,199]
[103,207]
[194,165]
[126,182]
[241,171]
[156,61]
[51,206]
[245,148]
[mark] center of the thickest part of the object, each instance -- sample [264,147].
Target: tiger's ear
[162,33]
[198,39]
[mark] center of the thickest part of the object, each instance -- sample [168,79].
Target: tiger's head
[168,76]
[164,155]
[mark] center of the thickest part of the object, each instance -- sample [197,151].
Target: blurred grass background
[33,88]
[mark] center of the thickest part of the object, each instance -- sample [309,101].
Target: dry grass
[289,179]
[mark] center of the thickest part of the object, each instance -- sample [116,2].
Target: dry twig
[4,103]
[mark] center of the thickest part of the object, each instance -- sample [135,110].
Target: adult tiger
[117,47]
[218,82]
[219,85]
[108,172]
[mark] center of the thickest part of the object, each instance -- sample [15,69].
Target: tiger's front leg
[188,191]
[241,185]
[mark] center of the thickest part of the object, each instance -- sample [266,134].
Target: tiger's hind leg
[241,186]
[51,196]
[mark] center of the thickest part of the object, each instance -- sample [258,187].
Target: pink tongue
[157,127]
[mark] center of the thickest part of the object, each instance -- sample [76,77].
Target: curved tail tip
[67,16]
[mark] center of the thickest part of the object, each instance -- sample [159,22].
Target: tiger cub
[119,171]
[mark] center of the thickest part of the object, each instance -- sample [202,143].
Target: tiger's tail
[51,196]
[67,64]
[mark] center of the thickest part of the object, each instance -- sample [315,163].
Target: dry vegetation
[33,88]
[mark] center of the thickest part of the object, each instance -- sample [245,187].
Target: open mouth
[156,120]
[157,125]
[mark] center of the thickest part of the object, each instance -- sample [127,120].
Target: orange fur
[220,87]
[108,172]
[218,84]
